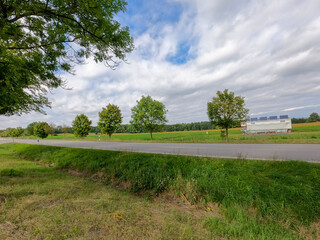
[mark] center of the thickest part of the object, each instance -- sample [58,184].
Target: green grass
[39,202]
[306,128]
[300,134]
[246,199]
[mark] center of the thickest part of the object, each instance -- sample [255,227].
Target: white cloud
[300,107]
[266,51]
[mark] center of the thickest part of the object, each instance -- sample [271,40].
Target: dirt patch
[40,162]
[78,173]
[123,185]
[310,232]
[181,204]
[8,231]
[3,200]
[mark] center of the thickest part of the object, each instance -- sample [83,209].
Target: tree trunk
[109,136]
[151,135]
[227,137]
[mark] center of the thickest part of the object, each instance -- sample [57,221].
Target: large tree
[149,114]
[29,129]
[226,109]
[314,117]
[81,125]
[109,119]
[39,39]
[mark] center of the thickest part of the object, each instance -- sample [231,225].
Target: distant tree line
[194,126]
[314,117]
[128,128]
[225,111]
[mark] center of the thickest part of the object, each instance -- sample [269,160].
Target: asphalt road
[304,152]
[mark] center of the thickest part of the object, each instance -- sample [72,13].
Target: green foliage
[109,119]
[15,132]
[149,114]
[226,110]
[50,129]
[40,128]
[81,125]
[29,129]
[223,134]
[66,129]
[299,120]
[205,125]
[39,39]
[314,117]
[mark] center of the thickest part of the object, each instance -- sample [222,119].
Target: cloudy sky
[185,50]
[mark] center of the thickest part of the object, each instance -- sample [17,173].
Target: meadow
[308,133]
[66,193]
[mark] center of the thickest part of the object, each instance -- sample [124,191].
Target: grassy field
[302,133]
[39,202]
[122,195]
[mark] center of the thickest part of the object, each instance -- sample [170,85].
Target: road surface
[303,152]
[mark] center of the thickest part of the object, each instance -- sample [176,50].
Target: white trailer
[271,124]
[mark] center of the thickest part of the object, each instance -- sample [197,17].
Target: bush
[39,129]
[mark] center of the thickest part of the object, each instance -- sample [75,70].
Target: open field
[180,197]
[302,133]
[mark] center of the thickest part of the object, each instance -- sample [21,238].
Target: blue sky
[187,50]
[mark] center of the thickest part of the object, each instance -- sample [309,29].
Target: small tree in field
[40,128]
[16,132]
[149,114]
[29,129]
[81,125]
[226,110]
[109,119]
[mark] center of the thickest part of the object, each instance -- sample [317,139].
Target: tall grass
[286,190]
[39,202]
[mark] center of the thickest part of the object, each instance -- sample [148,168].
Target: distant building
[271,124]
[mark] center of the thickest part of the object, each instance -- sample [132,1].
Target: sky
[266,51]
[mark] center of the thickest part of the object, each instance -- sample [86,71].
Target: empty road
[304,152]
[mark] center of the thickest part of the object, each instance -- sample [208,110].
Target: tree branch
[77,22]
[40,46]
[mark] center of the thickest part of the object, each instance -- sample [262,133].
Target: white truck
[271,124]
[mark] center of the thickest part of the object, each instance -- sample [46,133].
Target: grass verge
[255,199]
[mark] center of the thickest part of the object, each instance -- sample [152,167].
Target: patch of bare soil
[77,173]
[8,231]
[310,232]
[182,204]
